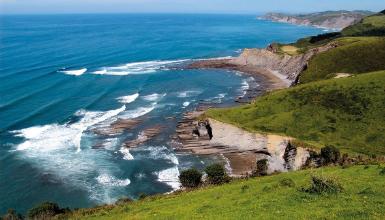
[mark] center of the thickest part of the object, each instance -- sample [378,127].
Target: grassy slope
[356,55]
[264,198]
[347,113]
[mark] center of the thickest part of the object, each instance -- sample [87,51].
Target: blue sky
[183,6]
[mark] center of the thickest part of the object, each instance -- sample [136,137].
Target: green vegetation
[216,174]
[190,178]
[370,26]
[355,55]
[323,185]
[45,210]
[271,197]
[347,113]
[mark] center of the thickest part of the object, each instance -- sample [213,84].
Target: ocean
[63,78]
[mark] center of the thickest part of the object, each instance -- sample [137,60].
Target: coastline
[240,157]
[276,80]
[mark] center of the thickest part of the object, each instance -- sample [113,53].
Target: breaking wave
[109,180]
[74,72]
[138,67]
[126,153]
[154,97]
[128,99]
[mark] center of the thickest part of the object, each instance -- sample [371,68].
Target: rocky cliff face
[286,65]
[331,20]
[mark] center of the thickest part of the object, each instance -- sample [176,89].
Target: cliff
[330,19]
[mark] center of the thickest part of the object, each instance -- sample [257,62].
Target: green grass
[370,26]
[355,55]
[347,113]
[363,197]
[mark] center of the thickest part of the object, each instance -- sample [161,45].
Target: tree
[216,174]
[190,178]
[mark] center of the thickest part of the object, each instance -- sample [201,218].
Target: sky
[183,6]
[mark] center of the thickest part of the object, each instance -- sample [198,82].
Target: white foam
[138,112]
[55,136]
[126,153]
[108,180]
[154,97]
[170,177]
[128,99]
[185,104]
[138,67]
[189,93]
[74,72]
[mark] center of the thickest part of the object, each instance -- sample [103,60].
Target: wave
[74,72]
[128,99]
[170,177]
[154,97]
[138,112]
[56,136]
[109,180]
[55,148]
[138,67]
[126,153]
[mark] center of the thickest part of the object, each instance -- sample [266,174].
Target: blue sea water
[63,77]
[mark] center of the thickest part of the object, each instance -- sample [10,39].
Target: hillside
[272,197]
[354,55]
[327,19]
[347,113]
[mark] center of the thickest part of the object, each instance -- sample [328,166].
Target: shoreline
[276,80]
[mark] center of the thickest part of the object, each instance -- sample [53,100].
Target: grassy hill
[373,25]
[271,197]
[347,113]
[356,55]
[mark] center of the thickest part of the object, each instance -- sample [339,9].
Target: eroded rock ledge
[242,149]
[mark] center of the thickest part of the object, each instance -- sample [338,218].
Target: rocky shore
[242,149]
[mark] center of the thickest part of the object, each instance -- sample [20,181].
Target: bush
[330,154]
[142,196]
[382,172]
[123,201]
[190,178]
[45,210]
[287,182]
[261,169]
[323,185]
[216,174]
[12,215]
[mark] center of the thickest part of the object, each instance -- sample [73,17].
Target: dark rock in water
[117,127]
[144,136]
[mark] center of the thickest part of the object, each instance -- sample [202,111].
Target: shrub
[123,201]
[261,168]
[190,178]
[330,154]
[12,215]
[323,185]
[45,210]
[142,196]
[382,172]
[287,182]
[216,174]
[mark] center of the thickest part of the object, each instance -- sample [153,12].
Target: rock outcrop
[242,149]
[289,66]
